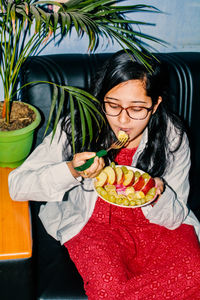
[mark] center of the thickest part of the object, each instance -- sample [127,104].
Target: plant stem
[6,110]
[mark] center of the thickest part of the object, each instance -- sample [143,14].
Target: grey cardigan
[45,176]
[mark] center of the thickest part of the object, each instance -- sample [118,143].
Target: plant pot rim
[26,129]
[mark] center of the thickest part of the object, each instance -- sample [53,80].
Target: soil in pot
[20,117]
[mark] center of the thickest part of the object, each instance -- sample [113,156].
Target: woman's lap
[120,254]
[137,263]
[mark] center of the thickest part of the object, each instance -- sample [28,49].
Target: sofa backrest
[182,71]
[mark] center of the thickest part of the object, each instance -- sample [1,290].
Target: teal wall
[178,25]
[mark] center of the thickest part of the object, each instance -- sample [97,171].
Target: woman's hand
[81,158]
[160,185]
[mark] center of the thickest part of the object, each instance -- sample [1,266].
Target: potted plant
[28,26]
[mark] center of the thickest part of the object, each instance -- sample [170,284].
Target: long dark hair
[121,67]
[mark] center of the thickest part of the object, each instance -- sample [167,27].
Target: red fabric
[125,156]
[120,255]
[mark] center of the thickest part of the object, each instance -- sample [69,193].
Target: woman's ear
[157,104]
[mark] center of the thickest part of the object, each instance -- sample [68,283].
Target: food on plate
[129,178]
[144,183]
[130,190]
[152,191]
[139,195]
[137,175]
[124,186]
[101,179]
[131,197]
[124,169]
[111,198]
[139,183]
[120,175]
[110,187]
[112,164]
[102,192]
[132,203]
[150,183]
[125,201]
[111,174]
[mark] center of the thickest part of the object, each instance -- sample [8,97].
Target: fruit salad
[125,186]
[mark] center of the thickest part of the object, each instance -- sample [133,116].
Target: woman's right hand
[81,158]
[160,184]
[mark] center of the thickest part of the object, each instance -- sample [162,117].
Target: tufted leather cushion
[56,276]
[16,279]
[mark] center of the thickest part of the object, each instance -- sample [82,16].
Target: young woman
[122,253]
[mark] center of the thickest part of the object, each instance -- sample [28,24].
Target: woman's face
[126,94]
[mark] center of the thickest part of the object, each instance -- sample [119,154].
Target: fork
[116,145]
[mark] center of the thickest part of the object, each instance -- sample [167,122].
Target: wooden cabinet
[15,224]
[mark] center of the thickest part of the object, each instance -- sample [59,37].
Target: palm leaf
[82,120]
[89,122]
[60,107]
[53,105]
[72,113]
[102,19]
[81,92]
[37,18]
[63,21]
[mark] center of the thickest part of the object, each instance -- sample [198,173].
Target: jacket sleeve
[44,176]
[171,208]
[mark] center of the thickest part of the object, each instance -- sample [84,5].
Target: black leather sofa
[54,274]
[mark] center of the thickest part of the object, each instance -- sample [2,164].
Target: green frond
[104,20]
[83,125]
[59,110]
[72,114]
[53,105]
[55,21]
[63,21]
[76,23]
[37,18]
[89,122]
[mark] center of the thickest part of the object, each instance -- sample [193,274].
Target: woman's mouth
[127,130]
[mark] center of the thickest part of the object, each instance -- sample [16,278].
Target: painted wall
[178,25]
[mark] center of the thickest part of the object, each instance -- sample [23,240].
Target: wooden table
[15,223]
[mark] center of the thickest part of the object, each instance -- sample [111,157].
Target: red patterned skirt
[121,255]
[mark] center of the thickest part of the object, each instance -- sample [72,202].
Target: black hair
[124,66]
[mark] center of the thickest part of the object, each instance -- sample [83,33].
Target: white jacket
[44,176]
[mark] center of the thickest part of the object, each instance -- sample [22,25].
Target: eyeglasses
[134,112]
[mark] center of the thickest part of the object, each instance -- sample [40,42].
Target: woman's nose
[123,117]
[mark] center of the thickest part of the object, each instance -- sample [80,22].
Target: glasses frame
[126,109]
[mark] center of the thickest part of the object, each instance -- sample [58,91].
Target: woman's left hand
[160,185]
